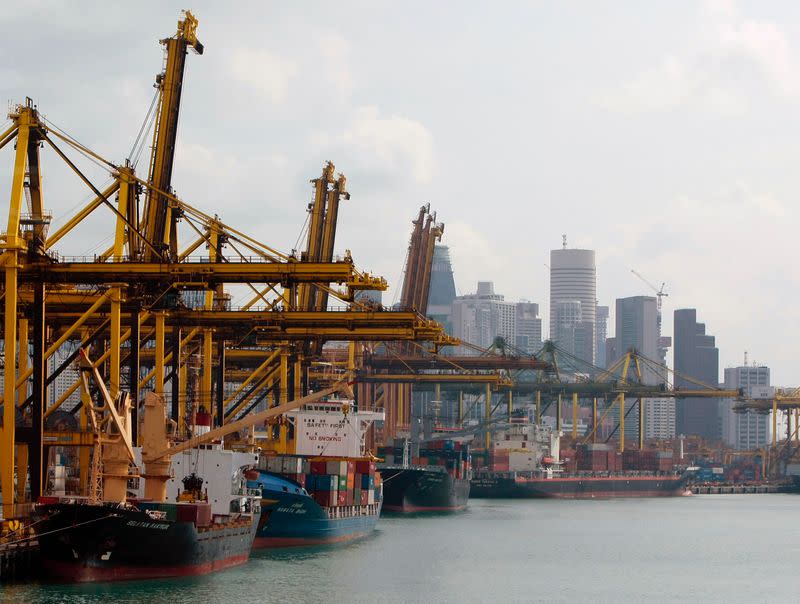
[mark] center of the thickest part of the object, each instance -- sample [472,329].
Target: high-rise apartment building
[659,418]
[63,381]
[696,356]
[748,430]
[573,278]
[481,317]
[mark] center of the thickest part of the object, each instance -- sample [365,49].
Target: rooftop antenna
[745,358]
[564,240]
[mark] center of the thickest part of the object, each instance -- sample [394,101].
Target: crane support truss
[126,300]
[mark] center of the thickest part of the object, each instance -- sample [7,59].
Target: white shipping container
[717,471]
[371,496]
[337,468]
[521,462]
[292,465]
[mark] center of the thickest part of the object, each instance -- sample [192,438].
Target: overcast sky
[664,135]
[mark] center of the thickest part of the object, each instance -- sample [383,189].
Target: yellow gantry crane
[128,301]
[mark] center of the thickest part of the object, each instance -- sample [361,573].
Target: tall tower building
[696,356]
[443,287]
[601,333]
[748,430]
[637,326]
[573,277]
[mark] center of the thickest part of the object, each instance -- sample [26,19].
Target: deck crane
[160,216]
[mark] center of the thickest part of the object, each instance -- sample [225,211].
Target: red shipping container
[349,498]
[321,497]
[203,514]
[186,512]
[364,497]
[341,498]
[365,467]
[319,467]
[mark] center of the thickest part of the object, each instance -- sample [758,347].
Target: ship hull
[504,486]
[422,489]
[92,543]
[298,521]
[294,519]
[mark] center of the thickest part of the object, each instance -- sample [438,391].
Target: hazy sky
[664,135]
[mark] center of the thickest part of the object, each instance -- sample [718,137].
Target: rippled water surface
[732,548]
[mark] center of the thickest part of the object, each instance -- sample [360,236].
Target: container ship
[111,536]
[524,463]
[116,535]
[83,542]
[438,480]
[327,501]
[324,489]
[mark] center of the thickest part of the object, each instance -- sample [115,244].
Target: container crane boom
[160,218]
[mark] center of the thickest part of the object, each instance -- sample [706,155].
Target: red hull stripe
[410,509]
[593,479]
[70,572]
[267,542]
[608,494]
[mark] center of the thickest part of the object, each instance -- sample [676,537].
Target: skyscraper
[573,278]
[696,356]
[443,287]
[748,430]
[636,327]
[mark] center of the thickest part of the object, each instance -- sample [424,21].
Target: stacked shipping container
[603,458]
[452,455]
[330,482]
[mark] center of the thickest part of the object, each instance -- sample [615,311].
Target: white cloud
[729,254]
[387,146]
[715,72]
[264,71]
[335,51]
[475,258]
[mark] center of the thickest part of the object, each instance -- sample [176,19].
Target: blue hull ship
[290,517]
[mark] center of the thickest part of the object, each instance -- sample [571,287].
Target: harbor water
[702,548]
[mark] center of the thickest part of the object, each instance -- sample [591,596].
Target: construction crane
[660,293]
